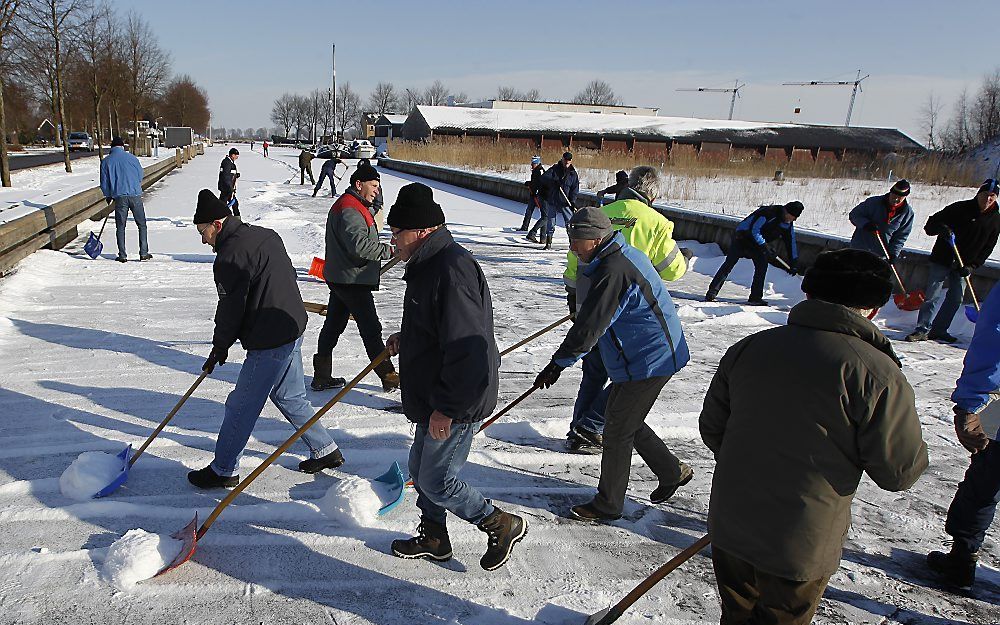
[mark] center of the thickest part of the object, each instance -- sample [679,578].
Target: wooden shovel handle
[535,335]
[968,279]
[885,251]
[517,401]
[166,420]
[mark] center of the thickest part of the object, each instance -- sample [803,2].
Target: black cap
[621,176]
[990,186]
[853,278]
[210,208]
[567,156]
[795,208]
[233,151]
[901,188]
[415,208]
[364,173]
[117,142]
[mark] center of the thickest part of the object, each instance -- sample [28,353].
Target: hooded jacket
[787,471]
[353,250]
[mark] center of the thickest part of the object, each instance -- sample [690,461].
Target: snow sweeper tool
[93,247]
[191,537]
[397,487]
[971,312]
[907,300]
[128,458]
[612,614]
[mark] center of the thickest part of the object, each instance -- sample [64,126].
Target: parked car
[362,148]
[331,151]
[80,141]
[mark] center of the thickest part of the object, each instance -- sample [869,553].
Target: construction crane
[735,90]
[854,93]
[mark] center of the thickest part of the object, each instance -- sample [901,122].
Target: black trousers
[227,197]
[347,300]
[740,248]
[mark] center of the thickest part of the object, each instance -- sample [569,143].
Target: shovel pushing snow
[190,536]
[908,301]
[93,247]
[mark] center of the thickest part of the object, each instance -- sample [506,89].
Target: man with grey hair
[624,311]
[652,234]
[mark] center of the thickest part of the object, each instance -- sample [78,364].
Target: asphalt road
[34,160]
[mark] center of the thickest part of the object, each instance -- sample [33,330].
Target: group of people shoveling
[774,548]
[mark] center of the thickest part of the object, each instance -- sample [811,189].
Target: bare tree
[147,65]
[348,108]
[597,92]
[383,99]
[957,136]
[326,113]
[8,9]
[506,92]
[436,94]
[300,114]
[281,112]
[985,110]
[318,102]
[412,97]
[99,51]
[531,95]
[184,103]
[928,114]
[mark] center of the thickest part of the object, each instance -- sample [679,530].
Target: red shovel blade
[189,537]
[910,301]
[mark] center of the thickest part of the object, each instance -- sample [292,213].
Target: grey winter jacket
[894,233]
[353,250]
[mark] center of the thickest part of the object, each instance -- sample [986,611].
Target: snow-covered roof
[396,119]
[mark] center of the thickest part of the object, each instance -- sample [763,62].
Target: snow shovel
[93,247]
[320,309]
[126,455]
[971,312]
[612,614]
[908,301]
[535,335]
[397,486]
[190,536]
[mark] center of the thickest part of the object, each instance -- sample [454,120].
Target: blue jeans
[551,211]
[944,304]
[275,373]
[323,176]
[124,204]
[592,398]
[975,503]
[434,467]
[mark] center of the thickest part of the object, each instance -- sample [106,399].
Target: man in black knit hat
[260,306]
[786,472]
[450,366]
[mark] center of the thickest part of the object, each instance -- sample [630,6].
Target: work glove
[237,175]
[109,200]
[793,269]
[891,258]
[871,226]
[964,272]
[216,357]
[970,431]
[548,376]
[769,254]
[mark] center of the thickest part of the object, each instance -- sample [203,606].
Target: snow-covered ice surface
[95,353]
[352,500]
[138,556]
[89,473]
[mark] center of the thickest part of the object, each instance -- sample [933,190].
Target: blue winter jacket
[766,224]
[623,308]
[558,177]
[121,174]
[979,384]
[894,233]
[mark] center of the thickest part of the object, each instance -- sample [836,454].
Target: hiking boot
[430,542]
[207,478]
[146,257]
[121,259]
[915,336]
[953,568]
[548,243]
[581,440]
[587,512]
[387,373]
[330,461]
[531,237]
[504,531]
[756,302]
[664,492]
[322,379]
[943,337]
[523,228]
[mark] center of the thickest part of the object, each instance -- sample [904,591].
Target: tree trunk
[4,162]
[61,109]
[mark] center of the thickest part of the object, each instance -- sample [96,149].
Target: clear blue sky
[246,54]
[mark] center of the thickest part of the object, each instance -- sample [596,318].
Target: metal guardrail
[693,225]
[54,226]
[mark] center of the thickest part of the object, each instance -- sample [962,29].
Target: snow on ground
[38,187]
[96,353]
[827,200]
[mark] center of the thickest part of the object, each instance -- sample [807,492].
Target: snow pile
[89,473]
[136,556]
[352,501]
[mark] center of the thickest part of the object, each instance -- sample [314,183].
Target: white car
[362,148]
[80,141]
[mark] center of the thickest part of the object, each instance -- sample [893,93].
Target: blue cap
[536,160]
[990,186]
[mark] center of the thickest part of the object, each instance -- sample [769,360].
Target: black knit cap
[210,208]
[901,188]
[795,208]
[415,208]
[621,177]
[233,151]
[364,173]
[853,278]
[117,142]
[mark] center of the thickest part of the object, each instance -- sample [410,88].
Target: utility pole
[735,90]
[854,93]
[333,96]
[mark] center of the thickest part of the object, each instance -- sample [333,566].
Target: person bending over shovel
[450,366]
[259,305]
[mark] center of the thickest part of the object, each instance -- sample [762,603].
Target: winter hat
[621,177]
[210,208]
[567,156]
[852,278]
[117,142]
[990,186]
[233,151]
[364,173]
[536,160]
[415,208]
[901,188]
[795,208]
[589,223]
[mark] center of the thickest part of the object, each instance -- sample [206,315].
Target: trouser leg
[933,295]
[361,304]
[334,324]
[974,506]
[257,377]
[139,214]
[952,302]
[289,395]
[121,218]
[591,399]
[438,463]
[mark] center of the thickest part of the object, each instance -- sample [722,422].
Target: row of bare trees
[975,117]
[85,67]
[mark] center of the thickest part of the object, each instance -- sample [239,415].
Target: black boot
[582,440]
[531,237]
[664,492]
[315,191]
[387,373]
[430,542]
[955,568]
[548,242]
[207,478]
[322,380]
[504,531]
[330,461]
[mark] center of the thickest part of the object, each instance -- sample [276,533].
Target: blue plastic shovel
[93,247]
[397,486]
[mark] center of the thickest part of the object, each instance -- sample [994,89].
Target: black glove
[549,375]
[769,254]
[965,272]
[871,226]
[891,258]
[571,303]
[216,357]
[109,200]
[793,269]
[970,431]
[237,175]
